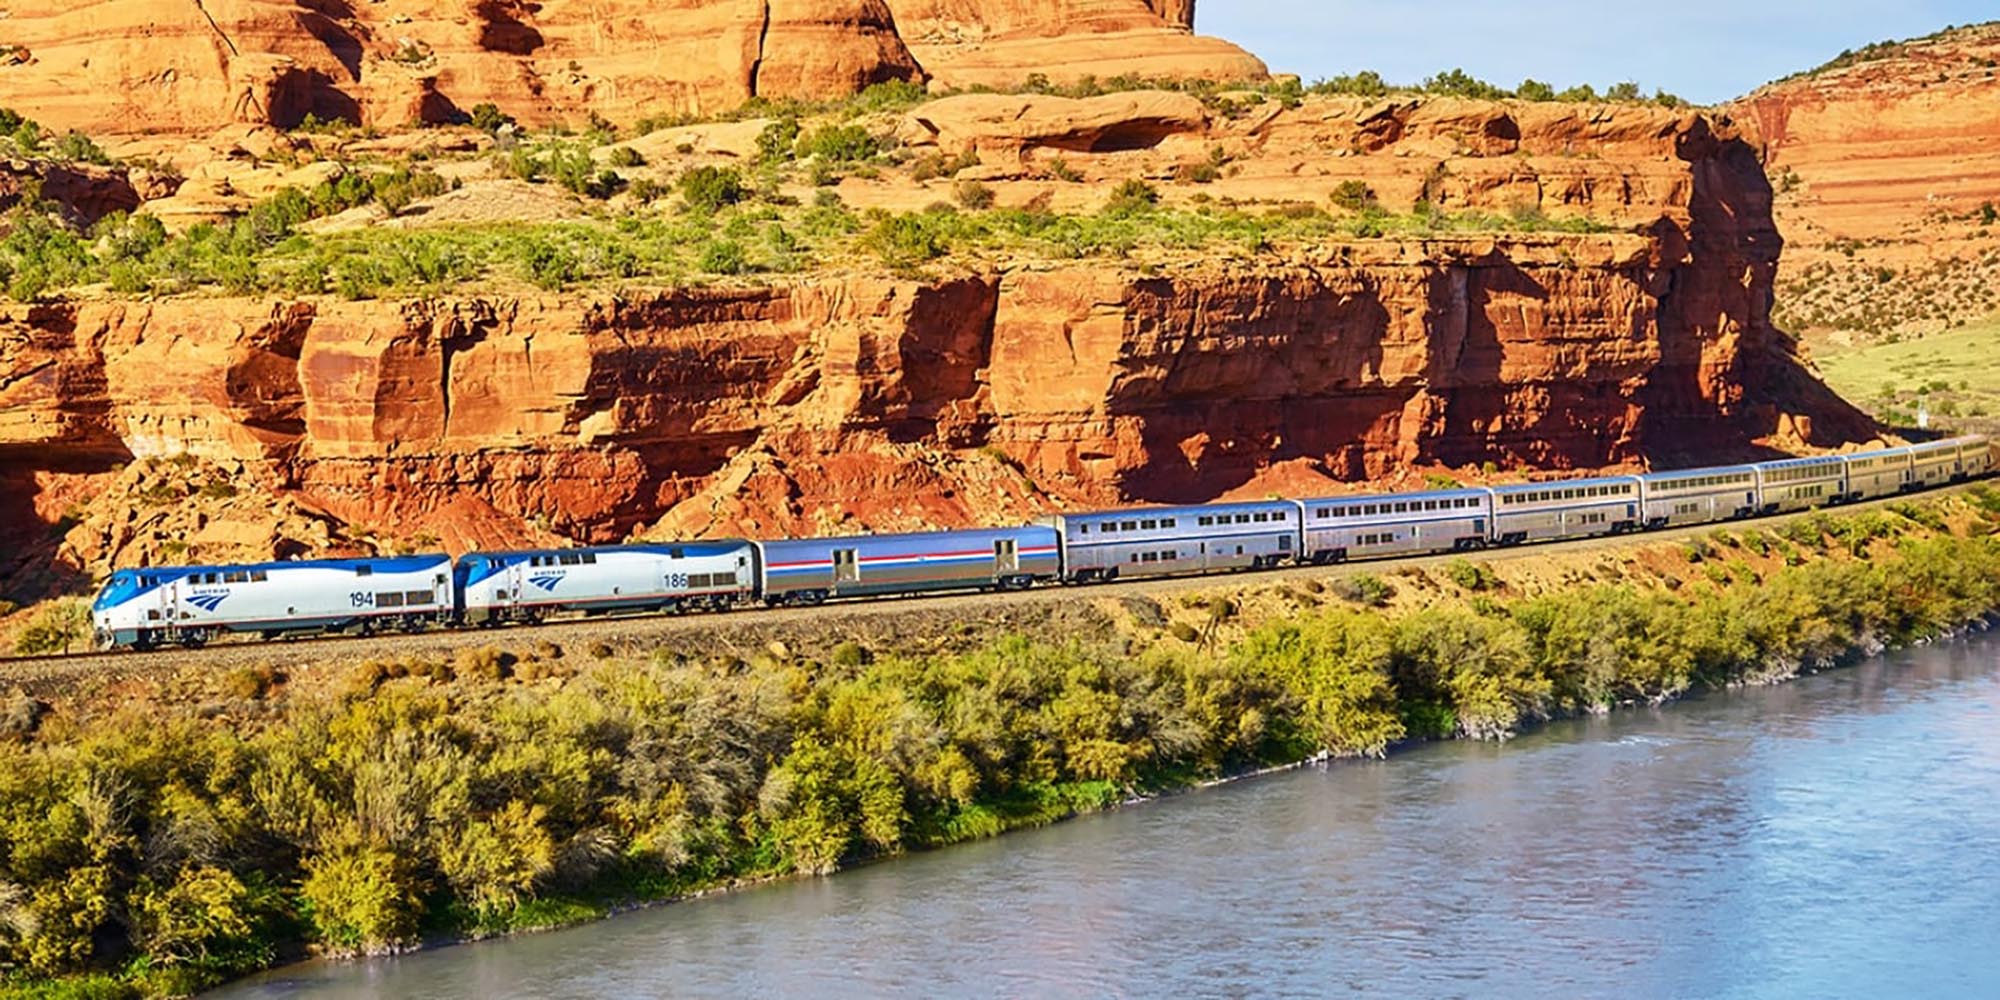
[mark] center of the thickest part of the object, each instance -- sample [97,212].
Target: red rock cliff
[120,66]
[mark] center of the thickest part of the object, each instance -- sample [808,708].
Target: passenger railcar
[189,605]
[1975,456]
[812,570]
[523,586]
[1340,528]
[1872,474]
[1579,508]
[1933,463]
[1696,496]
[1801,483]
[1163,541]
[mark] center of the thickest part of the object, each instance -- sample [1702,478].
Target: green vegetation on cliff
[490,793]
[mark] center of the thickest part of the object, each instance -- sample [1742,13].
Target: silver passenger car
[1161,541]
[1358,527]
[1696,496]
[1577,508]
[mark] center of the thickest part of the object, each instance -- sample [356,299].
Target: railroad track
[861,615]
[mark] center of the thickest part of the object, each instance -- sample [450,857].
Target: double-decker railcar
[1164,541]
[1697,496]
[1933,463]
[523,586]
[1801,483]
[1578,508]
[189,605]
[812,570]
[1872,474]
[1975,456]
[1341,528]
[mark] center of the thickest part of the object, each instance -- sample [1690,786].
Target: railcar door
[846,566]
[1006,557]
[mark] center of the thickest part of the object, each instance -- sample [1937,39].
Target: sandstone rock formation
[1884,165]
[997,43]
[122,66]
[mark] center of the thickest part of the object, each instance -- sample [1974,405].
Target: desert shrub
[778,141]
[359,901]
[903,241]
[487,117]
[1363,588]
[1471,576]
[839,144]
[1353,196]
[626,158]
[58,626]
[973,195]
[485,663]
[1184,632]
[250,683]
[851,654]
[709,188]
[1132,197]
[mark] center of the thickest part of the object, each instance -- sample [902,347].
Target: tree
[56,627]
[1535,90]
[1626,91]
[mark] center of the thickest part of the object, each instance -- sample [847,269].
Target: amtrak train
[190,605]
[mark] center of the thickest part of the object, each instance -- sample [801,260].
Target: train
[145,608]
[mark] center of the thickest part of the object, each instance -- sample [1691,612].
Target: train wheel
[194,639]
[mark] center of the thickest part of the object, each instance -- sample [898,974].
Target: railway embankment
[167,823]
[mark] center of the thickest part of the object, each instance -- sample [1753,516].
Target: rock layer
[123,66]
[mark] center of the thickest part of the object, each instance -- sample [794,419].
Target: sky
[1707,51]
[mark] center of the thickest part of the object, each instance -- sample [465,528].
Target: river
[1834,837]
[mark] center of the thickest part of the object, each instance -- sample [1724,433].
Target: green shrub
[851,654]
[724,257]
[839,144]
[1364,588]
[973,195]
[488,118]
[59,626]
[778,142]
[1354,196]
[359,900]
[709,188]
[1132,197]
[1471,576]
[1184,632]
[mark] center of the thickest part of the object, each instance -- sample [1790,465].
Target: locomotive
[191,605]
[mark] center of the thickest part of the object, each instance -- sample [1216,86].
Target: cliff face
[122,66]
[851,401]
[1884,165]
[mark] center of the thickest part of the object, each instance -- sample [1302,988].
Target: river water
[1834,837]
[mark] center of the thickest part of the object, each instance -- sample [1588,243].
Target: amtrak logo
[208,602]
[547,583]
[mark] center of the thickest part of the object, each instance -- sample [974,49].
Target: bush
[724,257]
[904,241]
[709,188]
[1133,197]
[1470,576]
[488,118]
[839,144]
[851,654]
[58,626]
[359,901]
[1364,588]
[1184,632]
[1354,196]
[625,157]
[778,142]
[973,195]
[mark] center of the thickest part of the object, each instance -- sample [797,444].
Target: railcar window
[1148,525]
[417,596]
[389,599]
[364,571]
[590,558]
[572,560]
[1130,526]
[677,553]
[259,576]
[1171,522]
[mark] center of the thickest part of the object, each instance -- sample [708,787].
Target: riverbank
[183,836]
